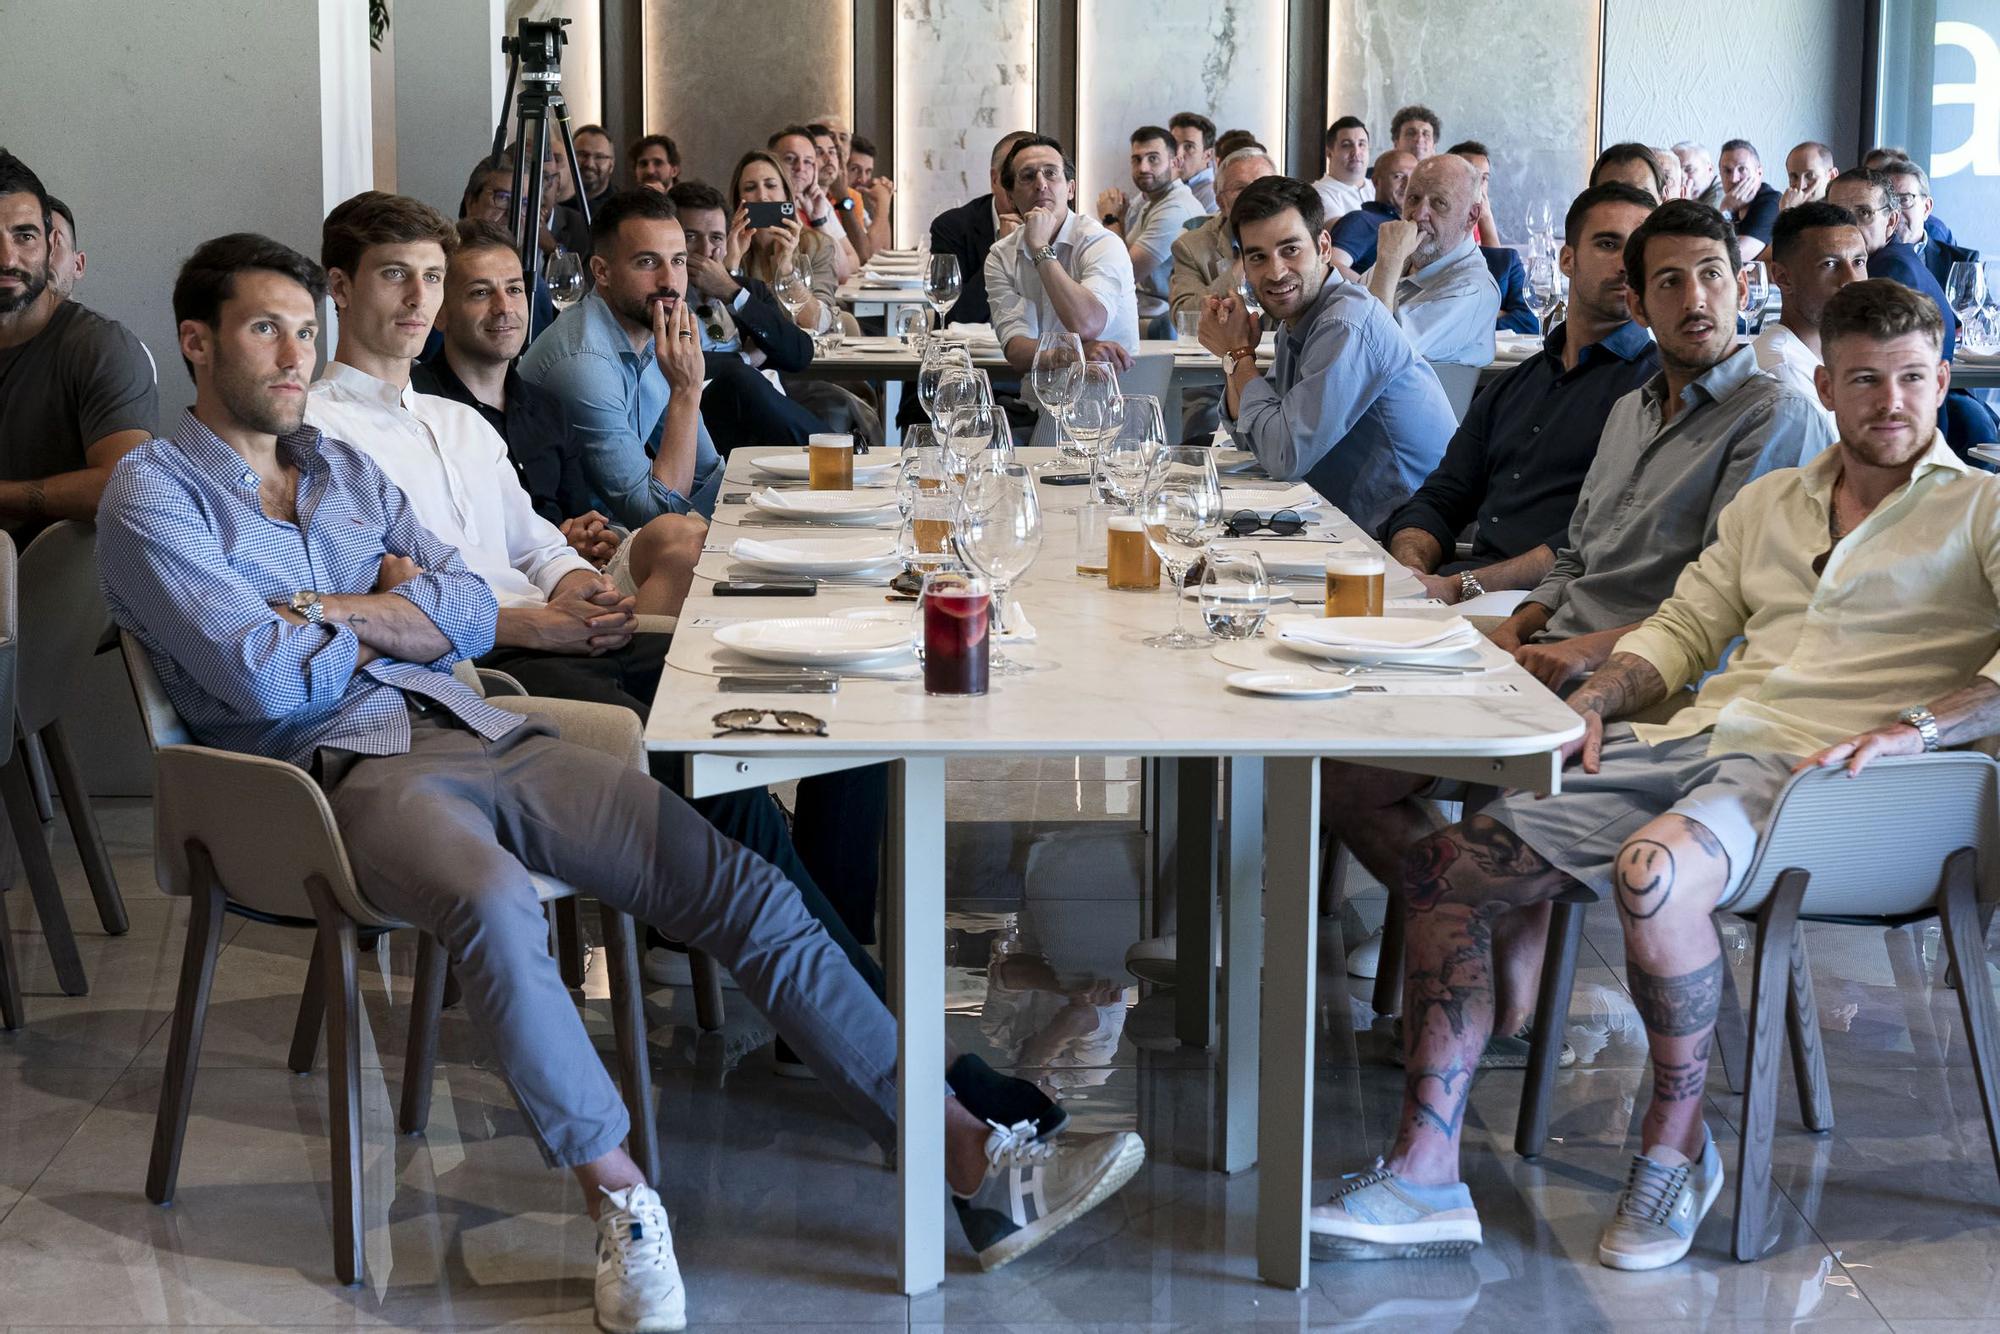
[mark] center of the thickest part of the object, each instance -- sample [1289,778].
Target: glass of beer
[927,544]
[955,641]
[1091,517]
[1354,583]
[1129,561]
[830,462]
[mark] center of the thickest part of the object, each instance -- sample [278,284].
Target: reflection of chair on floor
[1912,838]
[290,867]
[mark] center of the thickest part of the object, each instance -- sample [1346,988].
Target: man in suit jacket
[969,231]
[744,332]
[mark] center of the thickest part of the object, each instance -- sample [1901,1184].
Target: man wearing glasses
[1910,197]
[1867,195]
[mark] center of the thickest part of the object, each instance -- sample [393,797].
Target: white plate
[815,555]
[816,640]
[1289,685]
[1389,634]
[795,466]
[844,507]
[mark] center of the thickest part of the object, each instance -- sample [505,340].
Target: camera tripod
[535,63]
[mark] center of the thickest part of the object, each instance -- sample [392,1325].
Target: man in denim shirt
[626,361]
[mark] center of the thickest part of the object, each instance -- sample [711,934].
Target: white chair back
[63,618]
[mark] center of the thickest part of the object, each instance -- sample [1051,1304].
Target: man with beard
[1150,222]
[76,389]
[1824,576]
[1347,405]
[1353,235]
[626,363]
[1429,272]
[1750,204]
[597,160]
[797,148]
[1058,268]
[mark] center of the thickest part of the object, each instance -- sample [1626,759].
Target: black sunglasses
[789,722]
[1285,523]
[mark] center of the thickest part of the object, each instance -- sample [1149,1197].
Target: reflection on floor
[783,1215]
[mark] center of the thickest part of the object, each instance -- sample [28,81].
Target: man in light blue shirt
[1348,406]
[1428,268]
[626,362]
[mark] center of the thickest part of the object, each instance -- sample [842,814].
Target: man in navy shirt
[1865,193]
[1748,202]
[1353,235]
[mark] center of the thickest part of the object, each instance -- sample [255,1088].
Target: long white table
[1096,690]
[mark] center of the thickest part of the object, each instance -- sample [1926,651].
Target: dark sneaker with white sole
[1376,1215]
[1034,1188]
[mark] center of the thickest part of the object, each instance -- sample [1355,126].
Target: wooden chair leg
[83,828]
[11,1014]
[1531,1128]
[707,991]
[1731,1031]
[1808,1052]
[420,1061]
[204,939]
[1963,919]
[569,941]
[1770,988]
[342,974]
[628,1023]
[1388,996]
[312,1015]
[41,872]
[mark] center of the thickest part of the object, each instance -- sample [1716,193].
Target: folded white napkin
[1019,631]
[873,278]
[825,550]
[1268,500]
[1387,632]
[824,502]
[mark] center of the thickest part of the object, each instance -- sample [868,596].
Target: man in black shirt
[1749,203]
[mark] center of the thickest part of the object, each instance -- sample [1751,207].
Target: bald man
[1428,269]
[1353,236]
[1809,170]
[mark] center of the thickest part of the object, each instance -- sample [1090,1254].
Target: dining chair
[1912,838]
[290,867]
[1460,383]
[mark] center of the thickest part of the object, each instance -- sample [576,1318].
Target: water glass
[1181,507]
[913,325]
[1756,292]
[1123,456]
[1091,554]
[1965,292]
[1187,325]
[1235,594]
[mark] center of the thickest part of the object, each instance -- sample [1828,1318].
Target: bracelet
[1469,586]
[1235,355]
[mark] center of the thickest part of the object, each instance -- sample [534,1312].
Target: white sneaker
[670,968]
[1365,959]
[1665,1198]
[638,1282]
[1155,960]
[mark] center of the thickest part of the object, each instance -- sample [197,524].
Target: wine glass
[1093,413]
[969,431]
[1181,507]
[1235,594]
[1128,450]
[793,291]
[939,357]
[1989,306]
[921,471]
[1756,291]
[1246,292]
[1964,289]
[827,331]
[998,531]
[566,279]
[942,283]
[1544,288]
[1055,377]
[963,385]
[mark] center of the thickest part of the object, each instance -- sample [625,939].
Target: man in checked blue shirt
[294,608]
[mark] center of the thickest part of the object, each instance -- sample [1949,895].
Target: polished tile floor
[783,1214]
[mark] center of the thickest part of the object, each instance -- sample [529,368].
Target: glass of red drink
[956,610]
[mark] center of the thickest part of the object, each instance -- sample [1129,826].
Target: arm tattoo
[1626,683]
[1676,1007]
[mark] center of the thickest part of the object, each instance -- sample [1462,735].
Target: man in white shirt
[1058,268]
[1816,249]
[1150,222]
[1428,269]
[1194,155]
[1345,184]
[1829,574]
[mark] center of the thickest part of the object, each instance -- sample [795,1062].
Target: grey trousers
[444,837]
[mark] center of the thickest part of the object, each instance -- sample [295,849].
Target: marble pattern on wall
[1139,63]
[1520,78]
[965,75]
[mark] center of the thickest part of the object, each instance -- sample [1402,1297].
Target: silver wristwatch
[1469,586]
[1925,722]
[1047,252]
[308,605]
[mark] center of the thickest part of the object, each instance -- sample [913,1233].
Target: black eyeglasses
[1285,523]
[789,722]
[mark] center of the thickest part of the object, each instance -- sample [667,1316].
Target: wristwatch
[845,203]
[1469,586]
[1043,255]
[1925,722]
[1111,220]
[308,605]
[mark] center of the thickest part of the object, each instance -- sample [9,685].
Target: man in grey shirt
[1348,406]
[1150,222]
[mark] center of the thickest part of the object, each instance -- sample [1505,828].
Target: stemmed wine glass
[566,279]
[1126,453]
[998,531]
[794,292]
[969,431]
[1964,290]
[1989,306]
[1094,413]
[1544,289]
[963,385]
[1181,508]
[1055,377]
[942,283]
[939,357]
[1756,291]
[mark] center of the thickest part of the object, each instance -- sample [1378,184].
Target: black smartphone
[769,213]
[1066,479]
[766,588]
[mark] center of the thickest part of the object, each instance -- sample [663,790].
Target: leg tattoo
[1481,857]
[1677,1007]
[1679,1081]
[1645,877]
[1448,1012]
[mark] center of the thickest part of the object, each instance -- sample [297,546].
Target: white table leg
[1285,1102]
[916,879]
[1242,895]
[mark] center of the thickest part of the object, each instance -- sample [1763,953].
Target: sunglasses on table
[1285,523]
[789,722]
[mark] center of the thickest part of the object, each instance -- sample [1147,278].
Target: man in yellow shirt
[1828,573]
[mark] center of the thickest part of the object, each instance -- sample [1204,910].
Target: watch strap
[1925,722]
[1469,586]
[1045,253]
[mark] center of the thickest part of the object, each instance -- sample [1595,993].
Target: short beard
[32,287]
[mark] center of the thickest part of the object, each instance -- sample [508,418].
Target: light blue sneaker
[1376,1215]
[1665,1198]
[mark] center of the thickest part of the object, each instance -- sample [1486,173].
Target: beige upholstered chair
[289,865]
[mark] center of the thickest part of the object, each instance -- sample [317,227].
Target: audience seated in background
[877,192]
[1194,155]
[1811,568]
[1353,237]
[1205,265]
[1510,275]
[597,160]
[1632,164]
[627,364]
[489,197]
[1749,203]
[1059,267]
[1816,249]
[1149,223]
[1513,469]
[656,162]
[1428,271]
[1235,141]
[1347,405]
[798,153]
[1910,198]
[561,228]
[1809,170]
[968,233]
[1416,130]
[76,389]
[1700,182]
[787,244]
[830,157]
[1865,194]
[1342,188]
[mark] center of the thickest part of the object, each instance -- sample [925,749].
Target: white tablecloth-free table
[1097,690]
